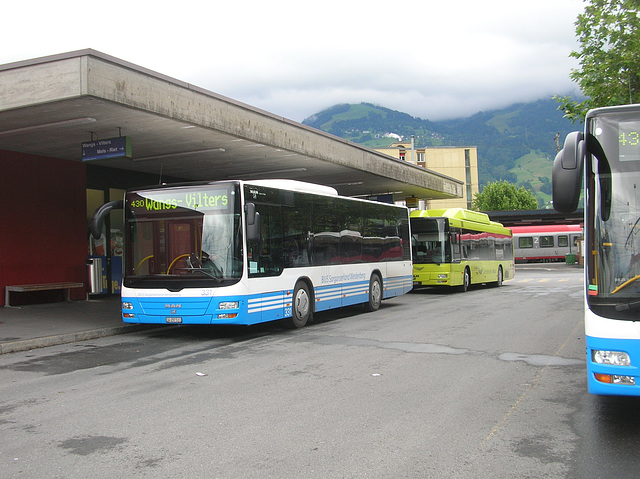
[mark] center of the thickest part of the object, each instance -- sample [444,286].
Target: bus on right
[604,161]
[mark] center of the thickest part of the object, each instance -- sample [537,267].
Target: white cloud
[431,59]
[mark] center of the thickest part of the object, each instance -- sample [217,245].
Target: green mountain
[517,143]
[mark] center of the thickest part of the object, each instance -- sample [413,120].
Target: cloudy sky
[432,59]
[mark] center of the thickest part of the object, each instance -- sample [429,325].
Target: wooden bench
[26,288]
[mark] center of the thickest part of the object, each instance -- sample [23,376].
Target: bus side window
[297,224]
[266,256]
[456,247]
[325,232]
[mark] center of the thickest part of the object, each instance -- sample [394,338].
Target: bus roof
[295,185]
[473,220]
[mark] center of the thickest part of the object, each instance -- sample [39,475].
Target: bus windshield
[430,245]
[187,236]
[614,166]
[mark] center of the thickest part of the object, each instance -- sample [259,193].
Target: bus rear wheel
[300,307]
[375,294]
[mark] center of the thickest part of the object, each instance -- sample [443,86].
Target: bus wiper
[203,270]
[628,306]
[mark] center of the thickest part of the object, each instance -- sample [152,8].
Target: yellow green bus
[457,247]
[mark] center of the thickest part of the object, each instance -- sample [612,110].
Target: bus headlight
[228,305]
[615,379]
[127,305]
[443,276]
[614,358]
[628,380]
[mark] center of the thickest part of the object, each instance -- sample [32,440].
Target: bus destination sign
[194,200]
[119,147]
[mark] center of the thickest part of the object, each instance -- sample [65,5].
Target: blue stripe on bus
[265,301]
[397,285]
[257,308]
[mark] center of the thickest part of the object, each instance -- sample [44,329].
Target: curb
[46,341]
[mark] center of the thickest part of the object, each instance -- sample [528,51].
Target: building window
[467,165]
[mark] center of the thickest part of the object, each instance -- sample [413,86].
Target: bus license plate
[173,320]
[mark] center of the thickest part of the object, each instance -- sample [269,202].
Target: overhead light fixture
[350,183]
[53,124]
[378,194]
[255,175]
[179,153]
[277,172]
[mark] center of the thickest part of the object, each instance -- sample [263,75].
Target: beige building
[456,162]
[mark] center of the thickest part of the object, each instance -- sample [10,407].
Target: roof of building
[50,105]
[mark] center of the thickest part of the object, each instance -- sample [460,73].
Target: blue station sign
[119,147]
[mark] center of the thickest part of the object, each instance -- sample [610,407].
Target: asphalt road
[488,383]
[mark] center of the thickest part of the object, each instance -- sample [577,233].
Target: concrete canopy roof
[50,105]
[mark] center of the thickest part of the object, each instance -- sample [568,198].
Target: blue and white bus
[236,252]
[608,152]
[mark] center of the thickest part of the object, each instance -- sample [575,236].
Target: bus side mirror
[567,173]
[97,220]
[253,222]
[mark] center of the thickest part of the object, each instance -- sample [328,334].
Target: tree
[546,184]
[504,196]
[609,35]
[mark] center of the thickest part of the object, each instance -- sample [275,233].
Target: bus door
[456,246]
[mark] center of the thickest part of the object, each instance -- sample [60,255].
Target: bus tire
[300,306]
[466,280]
[500,276]
[375,293]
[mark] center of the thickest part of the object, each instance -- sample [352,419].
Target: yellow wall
[449,161]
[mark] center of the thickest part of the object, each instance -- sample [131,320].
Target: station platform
[41,325]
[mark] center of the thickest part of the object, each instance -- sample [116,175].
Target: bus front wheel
[301,306]
[466,280]
[375,294]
